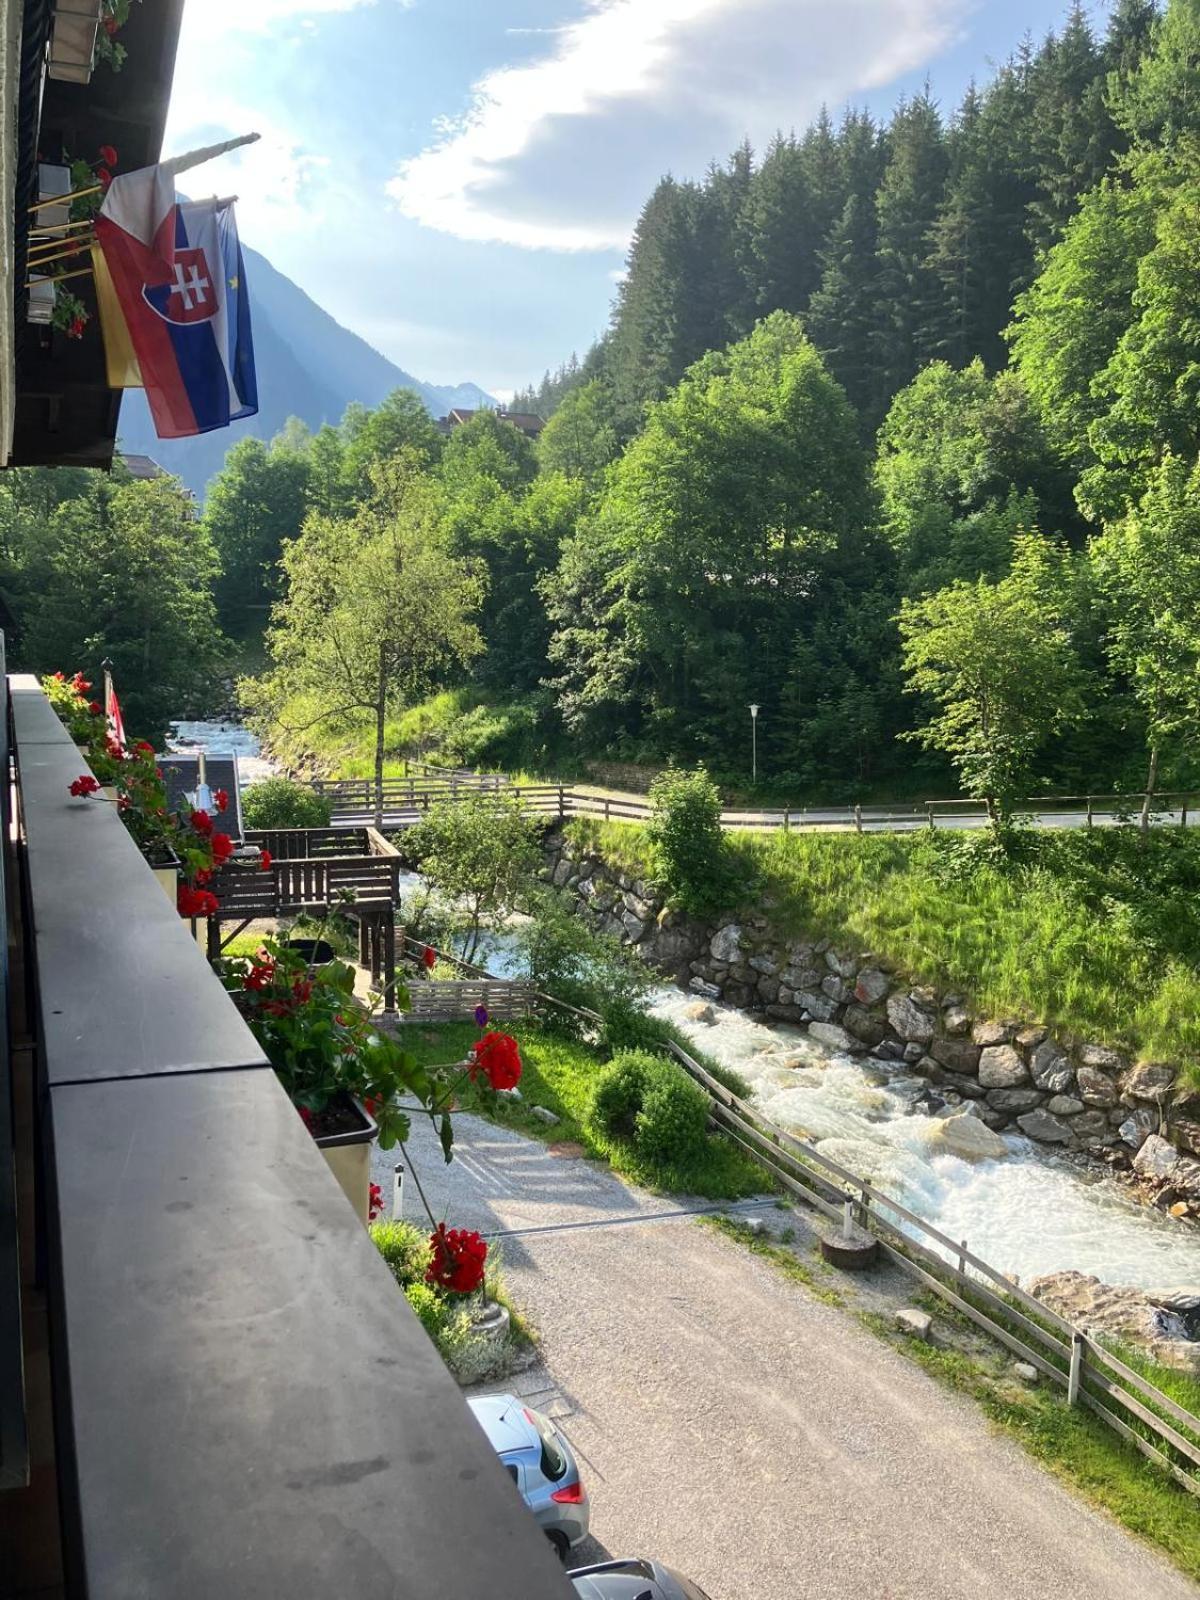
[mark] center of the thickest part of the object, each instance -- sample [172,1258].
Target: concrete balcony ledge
[245,1405]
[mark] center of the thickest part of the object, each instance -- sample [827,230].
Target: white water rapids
[1031,1213]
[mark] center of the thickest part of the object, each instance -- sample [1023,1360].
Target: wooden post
[1089,811]
[1076,1371]
[962,1259]
[858,818]
[607,808]
[1183,813]
[929,811]
[562,812]
[787,819]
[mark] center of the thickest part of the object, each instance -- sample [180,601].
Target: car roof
[617,1580]
[502,1417]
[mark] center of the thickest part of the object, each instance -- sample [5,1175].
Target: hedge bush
[280,803]
[647,1100]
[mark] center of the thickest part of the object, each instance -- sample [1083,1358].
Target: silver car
[632,1580]
[540,1463]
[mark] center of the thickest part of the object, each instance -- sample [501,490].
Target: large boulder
[1149,1080]
[1166,1330]
[958,1055]
[835,1038]
[1157,1159]
[819,1006]
[871,986]
[796,975]
[911,1020]
[1045,1128]
[844,966]
[1064,1105]
[1000,1067]
[864,1025]
[1096,1088]
[1013,1100]
[726,944]
[956,1019]
[634,927]
[971,1138]
[1091,1129]
[1050,1069]
[988,1034]
[838,990]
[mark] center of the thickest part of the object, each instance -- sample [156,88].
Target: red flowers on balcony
[195,902]
[84,785]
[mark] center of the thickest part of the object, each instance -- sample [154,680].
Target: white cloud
[559,154]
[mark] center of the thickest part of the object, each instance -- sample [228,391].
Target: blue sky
[456,180]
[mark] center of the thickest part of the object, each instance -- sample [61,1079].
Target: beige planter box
[73,42]
[348,1157]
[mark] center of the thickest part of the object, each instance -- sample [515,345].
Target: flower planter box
[73,44]
[348,1155]
[317,952]
[166,870]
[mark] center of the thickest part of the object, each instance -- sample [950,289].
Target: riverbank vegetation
[1094,932]
[563,1075]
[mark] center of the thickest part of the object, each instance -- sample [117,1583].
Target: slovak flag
[177,272]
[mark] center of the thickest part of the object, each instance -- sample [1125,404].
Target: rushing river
[1030,1213]
[1033,1212]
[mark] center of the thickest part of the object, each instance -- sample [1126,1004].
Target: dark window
[554,1461]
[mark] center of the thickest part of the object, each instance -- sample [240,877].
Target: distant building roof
[143,467]
[524,421]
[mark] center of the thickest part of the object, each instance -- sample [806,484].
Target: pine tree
[911,316]
[1073,133]
[841,314]
[778,236]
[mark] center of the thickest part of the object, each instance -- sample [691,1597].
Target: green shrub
[405,1248]
[446,1323]
[280,803]
[568,959]
[672,1125]
[620,1092]
[690,853]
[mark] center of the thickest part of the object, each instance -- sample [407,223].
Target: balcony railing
[244,1403]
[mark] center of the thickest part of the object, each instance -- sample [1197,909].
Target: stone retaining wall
[1081,1097]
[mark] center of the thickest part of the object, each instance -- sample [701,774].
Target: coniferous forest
[893,433]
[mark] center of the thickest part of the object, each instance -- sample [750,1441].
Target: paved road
[759,1440]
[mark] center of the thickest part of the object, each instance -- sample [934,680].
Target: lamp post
[754,743]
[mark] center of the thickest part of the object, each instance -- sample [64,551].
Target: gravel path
[735,1427]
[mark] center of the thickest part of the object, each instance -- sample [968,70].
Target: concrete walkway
[738,1429]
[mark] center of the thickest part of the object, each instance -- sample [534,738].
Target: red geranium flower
[375,1204]
[222,847]
[80,684]
[143,746]
[259,976]
[108,155]
[220,799]
[103,177]
[429,957]
[84,785]
[95,707]
[459,1257]
[371,1104]
[306,1116]
[265,859]
[498,1057]
[302,989]
[60,677]
[195,902]
[204,877]
[202,822]
[75,331]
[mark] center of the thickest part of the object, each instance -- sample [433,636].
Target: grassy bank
[1096,933]
[558,1074]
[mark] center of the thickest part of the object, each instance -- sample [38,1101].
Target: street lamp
[754,742]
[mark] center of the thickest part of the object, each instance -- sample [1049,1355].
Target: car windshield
[554,1461]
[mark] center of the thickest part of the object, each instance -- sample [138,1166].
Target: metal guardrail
[1090,1373]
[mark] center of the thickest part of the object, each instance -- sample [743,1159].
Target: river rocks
[1102,1058]
[699,1011]
[1149,1080]
[959,1055]
[1123,1312]
[1028,1038]
[1091,1129]
[768,988]
[865,1026]
[1045,1128]
[819,1007]
[561,873]
[971,1138]
[1064,1105]
[798,976]
[726,944]
[912,1021]
[989,1034]
[835,1038]
[698,986]
[1136,1129]
[841,966]
[1013,1100]
[765,966]
[956,1020]
[871,986]
[836,988]
[1051,1070]
[634,926]
[1000,1067]
[1096,1088]
[1157,1158]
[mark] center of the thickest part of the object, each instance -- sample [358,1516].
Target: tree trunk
[1151,780]
[993,810]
